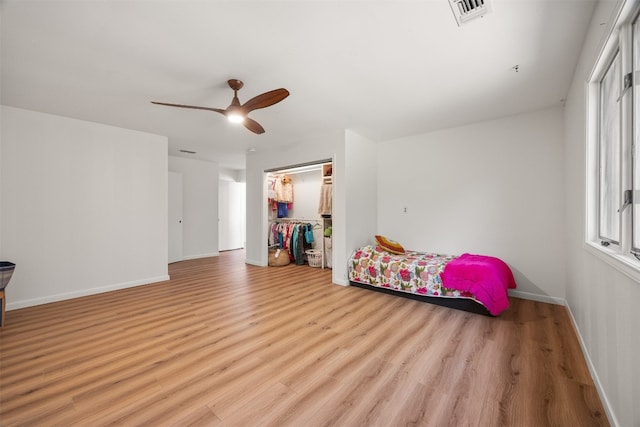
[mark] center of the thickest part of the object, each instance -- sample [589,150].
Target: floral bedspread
[412,272]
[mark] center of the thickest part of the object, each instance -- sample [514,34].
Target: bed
[474,283]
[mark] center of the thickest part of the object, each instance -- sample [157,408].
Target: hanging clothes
[308,234]
[300,245]
[293,237]
[283,210]
[284,189]
[271,194]
[272,235]
[324,207]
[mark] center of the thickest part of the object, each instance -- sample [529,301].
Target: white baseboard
[537,297]
[340,282]
[254,262]
[83,293]
[594,375]
[188,257]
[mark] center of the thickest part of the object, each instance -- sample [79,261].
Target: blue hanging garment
[283,210]
[308,233]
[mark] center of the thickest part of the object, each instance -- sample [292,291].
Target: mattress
[483,279]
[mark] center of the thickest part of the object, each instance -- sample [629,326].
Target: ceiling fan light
[235,118]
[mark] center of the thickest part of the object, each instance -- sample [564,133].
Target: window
[609,153]
[636,136]
[613,211]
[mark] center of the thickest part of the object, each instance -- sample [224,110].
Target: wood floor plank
[224,343]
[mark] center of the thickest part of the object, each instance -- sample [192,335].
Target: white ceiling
[384,69]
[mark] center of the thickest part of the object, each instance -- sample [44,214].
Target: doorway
[301,196]
[175,217]
[231,215]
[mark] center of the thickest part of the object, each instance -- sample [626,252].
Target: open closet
[299,204]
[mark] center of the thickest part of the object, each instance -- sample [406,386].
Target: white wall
[361,193]
[306,195]
[84,207]
[489,188]
[233,175]
[603,301]
[200,209]
[1,109]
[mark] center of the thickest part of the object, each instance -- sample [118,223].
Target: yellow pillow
[389,245]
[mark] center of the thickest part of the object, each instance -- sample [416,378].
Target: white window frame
[620,39]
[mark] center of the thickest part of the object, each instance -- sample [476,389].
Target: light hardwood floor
[224,343]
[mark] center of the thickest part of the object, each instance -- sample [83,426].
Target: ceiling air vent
[466,10]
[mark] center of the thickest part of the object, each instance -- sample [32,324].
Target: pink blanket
[486,278]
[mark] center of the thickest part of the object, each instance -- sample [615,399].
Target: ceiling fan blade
[217,110]
[253,126]
[265,100]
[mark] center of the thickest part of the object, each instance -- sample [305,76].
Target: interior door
[231,215]
[175,217]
